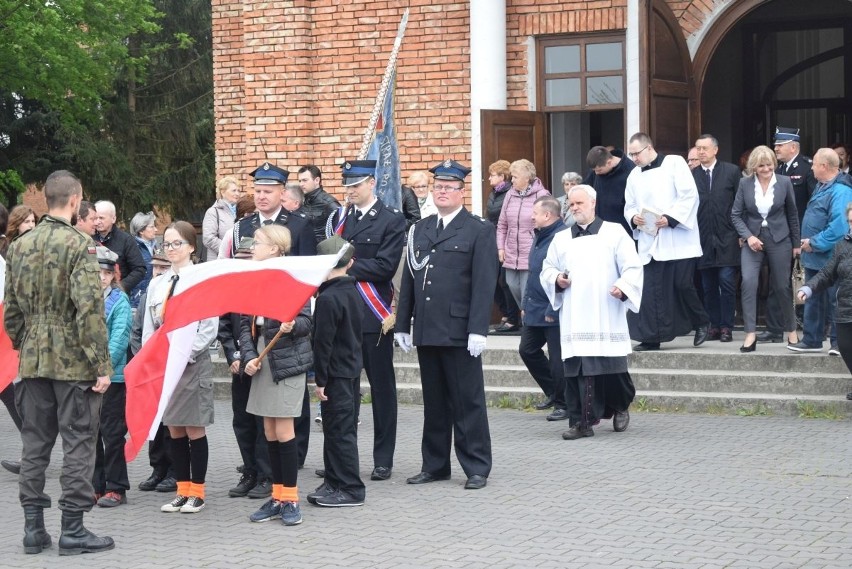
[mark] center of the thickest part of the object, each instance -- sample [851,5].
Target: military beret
[106,258]
[332,246]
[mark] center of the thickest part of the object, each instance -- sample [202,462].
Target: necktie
[358,215]
[267,222]
[709,174]
[440,226]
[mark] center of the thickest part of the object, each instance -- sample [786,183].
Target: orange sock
[196,490]
[277,491]
[183,488]
[289,493]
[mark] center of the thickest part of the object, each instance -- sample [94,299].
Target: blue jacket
[118,319]
[535,303]
[824,222]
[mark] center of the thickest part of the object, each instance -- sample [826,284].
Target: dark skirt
[663,314]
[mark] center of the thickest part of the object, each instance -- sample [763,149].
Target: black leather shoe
[726,335]
[320,472]
[475,482]
[167,484]
[546,404]
[380,473]
[246,483]
[620,421]
[646,347]
[768,336]
[558,415]
[701,334]
[714,334]
[748,349]
[263,489]
[577,432]
[849,396]
[425,478]
[12,466]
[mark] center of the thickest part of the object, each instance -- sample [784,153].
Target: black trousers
[110,467]
[377,350]
[844,343]
[302,426]
[453,411]
[339,426]
[248,429]
[547,371]
[595,397]
[8,398]
[158,452]
[49,408]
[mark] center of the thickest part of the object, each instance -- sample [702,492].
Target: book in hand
[651,216]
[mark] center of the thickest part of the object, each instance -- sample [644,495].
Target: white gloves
[404,341]
[475,344]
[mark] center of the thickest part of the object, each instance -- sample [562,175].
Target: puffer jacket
[515,226]
[317,206]
[838,271]
[119,320]
[291,355]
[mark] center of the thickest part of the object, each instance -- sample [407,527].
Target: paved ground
[677,491]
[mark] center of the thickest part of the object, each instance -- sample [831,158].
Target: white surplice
[591,321]
[669,189]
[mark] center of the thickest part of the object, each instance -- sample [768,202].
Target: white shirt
[364,210]
[449,217]
[761,200]
[273,218]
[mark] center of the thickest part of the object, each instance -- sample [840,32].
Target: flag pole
[383,89]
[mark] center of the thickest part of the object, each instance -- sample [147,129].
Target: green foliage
[64,54]
[11,184]
[759,409]
[811,410]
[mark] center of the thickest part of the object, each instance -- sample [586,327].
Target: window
[581,72]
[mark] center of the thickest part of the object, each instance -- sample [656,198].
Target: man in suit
[717,184]
[450,266]
[378,233]
[269,182]
[793,164]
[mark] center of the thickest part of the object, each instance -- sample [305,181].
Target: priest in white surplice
[593,276]
[661,205]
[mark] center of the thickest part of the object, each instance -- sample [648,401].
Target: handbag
[798,279]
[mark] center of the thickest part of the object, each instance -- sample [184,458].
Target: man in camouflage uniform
[54,314]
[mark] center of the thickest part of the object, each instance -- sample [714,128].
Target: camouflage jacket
[54,308]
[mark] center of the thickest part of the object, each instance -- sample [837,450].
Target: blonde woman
[277,385]
[220,217]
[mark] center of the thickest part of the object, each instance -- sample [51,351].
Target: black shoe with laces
[263,489]
[246,483]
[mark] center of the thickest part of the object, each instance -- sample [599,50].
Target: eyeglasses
[635,154]
[174,244]
[447,189]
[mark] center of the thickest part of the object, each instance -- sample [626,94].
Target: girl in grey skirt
[278,384]
[190,408]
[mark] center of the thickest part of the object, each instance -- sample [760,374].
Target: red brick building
[480,80]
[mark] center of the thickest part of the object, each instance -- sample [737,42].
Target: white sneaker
[193,504]
[175,505]
[833,351]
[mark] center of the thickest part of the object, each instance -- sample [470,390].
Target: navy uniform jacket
[378,239]
[801,175]
[719,240]
[301,233]
[451,296]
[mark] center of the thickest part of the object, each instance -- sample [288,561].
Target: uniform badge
[448,163]
[347,166]
[795,164]
[372,212]
[92,250]
[266,165]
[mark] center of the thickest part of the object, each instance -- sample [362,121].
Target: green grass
[524,403]
[759,409]
[811,410]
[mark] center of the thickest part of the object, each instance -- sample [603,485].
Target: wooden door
[668,109]
[512,135]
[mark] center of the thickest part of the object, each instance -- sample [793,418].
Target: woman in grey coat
[219,218]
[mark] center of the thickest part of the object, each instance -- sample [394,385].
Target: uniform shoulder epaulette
[810,160]
[302,214]
[478,218]
[395,210]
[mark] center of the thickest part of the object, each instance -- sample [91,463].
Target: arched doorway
[769,62]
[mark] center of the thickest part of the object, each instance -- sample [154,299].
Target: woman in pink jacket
[515,226]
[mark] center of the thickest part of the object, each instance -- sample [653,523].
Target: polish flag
[8,355]
[276,288]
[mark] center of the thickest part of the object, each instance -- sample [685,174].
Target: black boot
[76,539]
[36,537]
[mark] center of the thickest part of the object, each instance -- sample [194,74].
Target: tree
[64,54]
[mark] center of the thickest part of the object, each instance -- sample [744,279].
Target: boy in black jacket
[338,363]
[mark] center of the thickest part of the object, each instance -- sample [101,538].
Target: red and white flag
[8,355]
[276,288]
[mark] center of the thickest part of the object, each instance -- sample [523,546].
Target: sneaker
[322,490]
[291,515]
[268,511]
[338,499]
[112,499]
[246,483]
[175,505]
[833,351]
[193,505]
[262,489]
[801,346]
[318,419]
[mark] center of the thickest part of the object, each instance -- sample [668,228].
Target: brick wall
[295,80]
